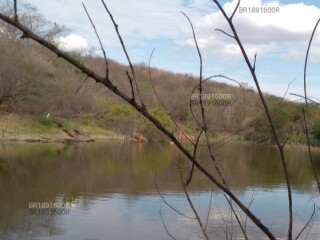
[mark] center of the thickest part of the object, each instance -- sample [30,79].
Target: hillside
[35,83]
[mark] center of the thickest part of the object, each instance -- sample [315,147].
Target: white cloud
[141,21]
[73,42]
[137,20]
[261,33]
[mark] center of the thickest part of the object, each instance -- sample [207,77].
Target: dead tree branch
[308,222]
[305,112]
[184,185]
[165,227]
[133,77]
[300,96]
[143,111]
[225,33]
[309,149]
[235,10]
[99,39]
[15,10]
[306,62]
[267,111]
[237,218]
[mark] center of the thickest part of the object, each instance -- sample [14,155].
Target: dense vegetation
[35,82]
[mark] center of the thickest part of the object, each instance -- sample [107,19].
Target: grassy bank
[39,128]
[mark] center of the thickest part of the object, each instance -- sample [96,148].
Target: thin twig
[307,224]
[85,80]
[254,62]
[168,204]
[15,10]
[266,108]
[285,94]
[246,219]
[309,149]
[99,39]
[237,217]
[161,102]
[131,84]
[165,227]
[305,111]
[229,35]
[306,61]
[204,127]
[116,27]
[194,155]
[209,210]
[309,99]
[191,204]
[204,123]
[235,10]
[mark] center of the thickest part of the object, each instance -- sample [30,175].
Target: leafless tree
[135,99]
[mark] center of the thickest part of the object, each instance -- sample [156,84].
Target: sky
[279,39]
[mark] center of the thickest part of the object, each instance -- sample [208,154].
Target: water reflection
[111,188]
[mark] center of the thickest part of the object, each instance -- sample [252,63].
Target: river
[107,190]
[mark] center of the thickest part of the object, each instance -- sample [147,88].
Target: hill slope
[35,82]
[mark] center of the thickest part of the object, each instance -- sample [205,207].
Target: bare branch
[85,80]
[197,46]
[200,72]
[204,123]
[254,62]
[251,202]
[235,10]
[116,27]
[161,102]
[191,204]
[143,111]
[266,108]
[168,204]
[229,35]
[209,210]
[308,223]
[285,94]
[15,10]
[204,128]
[309,149]
[131,84]
[306,62]
[194,155]
[165,227]
[284,142]
[306,103]
[237,218]
[101,45]
[309,99]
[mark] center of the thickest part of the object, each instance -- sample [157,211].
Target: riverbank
[46,129]
[61,138]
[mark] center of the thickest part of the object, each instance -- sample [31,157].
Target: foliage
[148,129]
[46,121]
[315,131]
[288,121]
[116,112]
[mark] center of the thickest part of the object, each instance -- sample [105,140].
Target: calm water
[107,191]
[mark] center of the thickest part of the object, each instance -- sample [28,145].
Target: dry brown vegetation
[34,81]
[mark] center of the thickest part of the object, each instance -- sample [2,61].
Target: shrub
[148,129]
[48,122]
